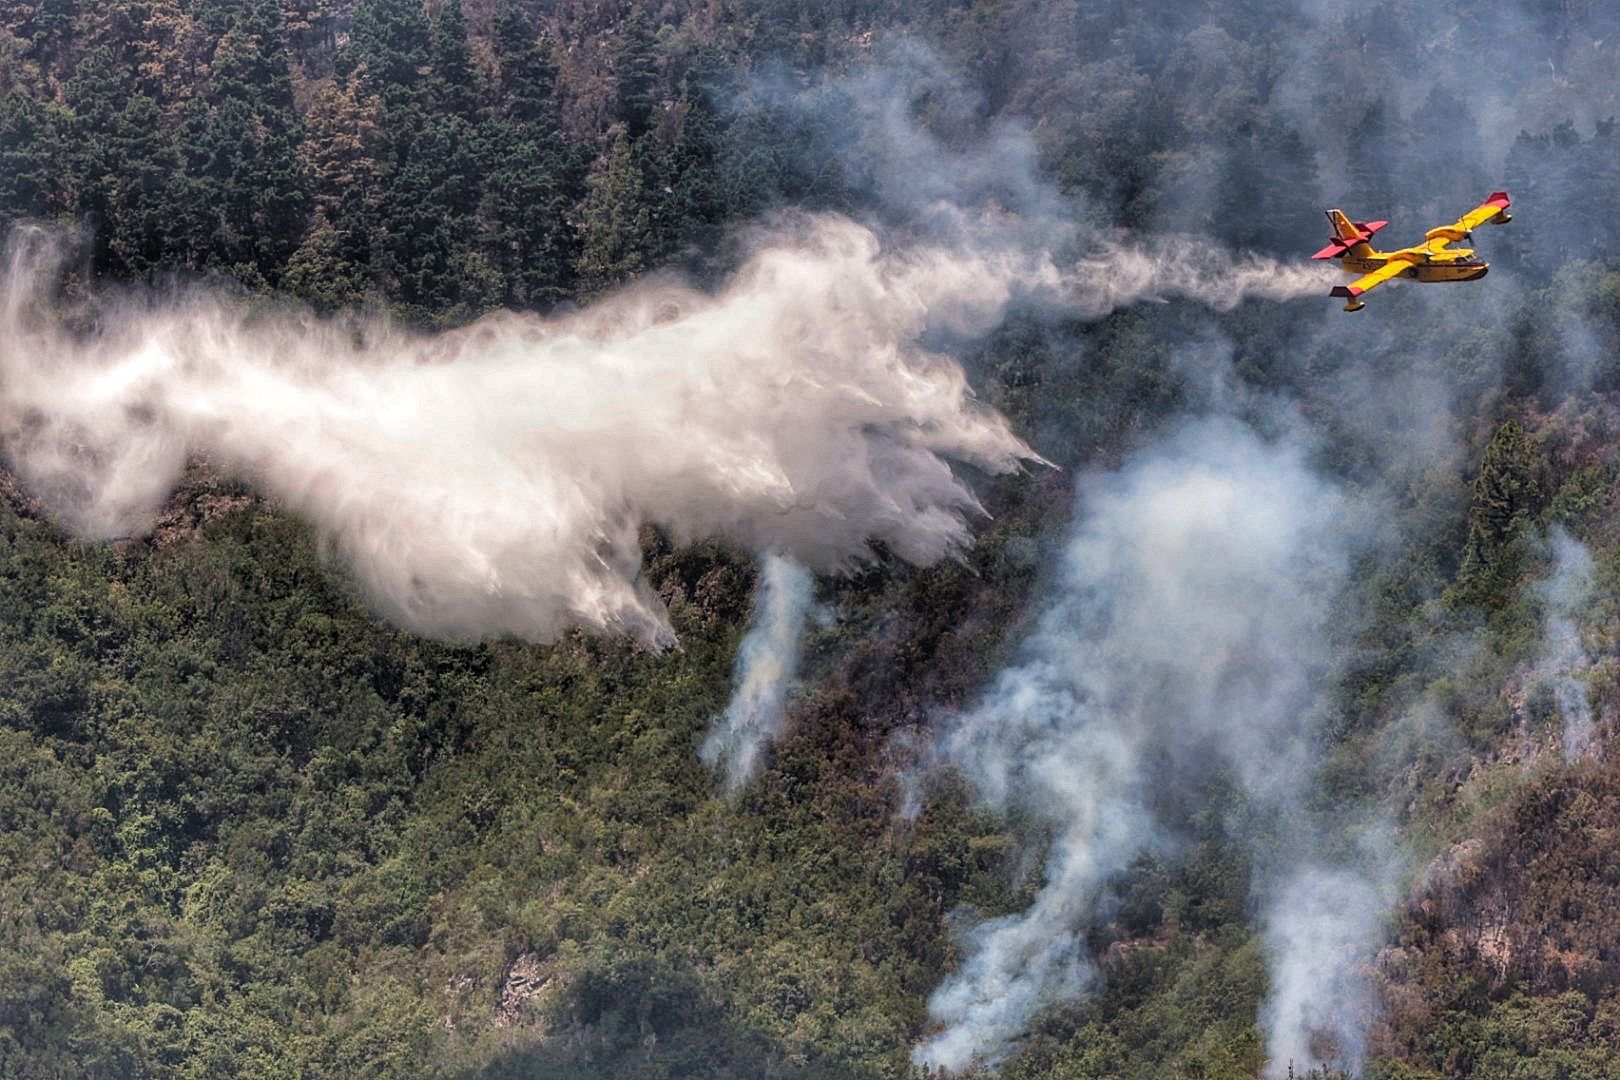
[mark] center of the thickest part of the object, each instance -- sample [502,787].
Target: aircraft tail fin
[1349,237]
[1343,227]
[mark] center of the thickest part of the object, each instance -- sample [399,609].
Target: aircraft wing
[1492,209]
[1368,281]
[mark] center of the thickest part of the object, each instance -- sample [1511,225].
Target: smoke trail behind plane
[1125,270]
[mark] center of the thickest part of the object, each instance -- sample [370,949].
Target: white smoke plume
[1321,929]
[767,664]
[1564,660]
[1187,620]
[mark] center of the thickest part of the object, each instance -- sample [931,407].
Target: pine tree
[635,76]
[1566,195]
[251,63]
[696,207]
[245,183]
[342,145]
[1445,127]
[30,160]
[120,161]
[536,177]
[528,73]
[1600,171]
[140,215]
[389,42]
[453,86]
[1370,147]
[321,272]
[52,34]
[530,199]
[1522,171]
[617,223]
[1508,492]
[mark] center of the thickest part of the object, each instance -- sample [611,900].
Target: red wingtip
[1499,198]
[1346,290]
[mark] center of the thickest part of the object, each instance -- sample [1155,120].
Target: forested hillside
[1259,723]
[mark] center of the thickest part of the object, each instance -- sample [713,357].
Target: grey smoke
[767,663]
[876,128]
[1321,913]
[1187,619]
[1321,929]
[982,183]
[1564,661]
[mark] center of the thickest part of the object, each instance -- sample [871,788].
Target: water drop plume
[494,480]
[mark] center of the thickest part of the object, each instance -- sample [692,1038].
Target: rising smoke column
[766,665]
[1321,925]
[1187,622]
[1564,660]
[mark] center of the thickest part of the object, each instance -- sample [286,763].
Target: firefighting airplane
[1431,260]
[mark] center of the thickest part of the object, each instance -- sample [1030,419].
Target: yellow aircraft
[1432,260]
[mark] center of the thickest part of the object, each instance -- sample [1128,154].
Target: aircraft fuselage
[1455,265]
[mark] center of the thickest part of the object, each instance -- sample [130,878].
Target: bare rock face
[204,494]
[526,980]
[1531,904]
[12,492]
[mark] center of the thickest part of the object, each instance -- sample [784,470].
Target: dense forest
[250,827]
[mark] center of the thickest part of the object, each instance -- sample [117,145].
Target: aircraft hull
[1426,272]
[1460,272]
